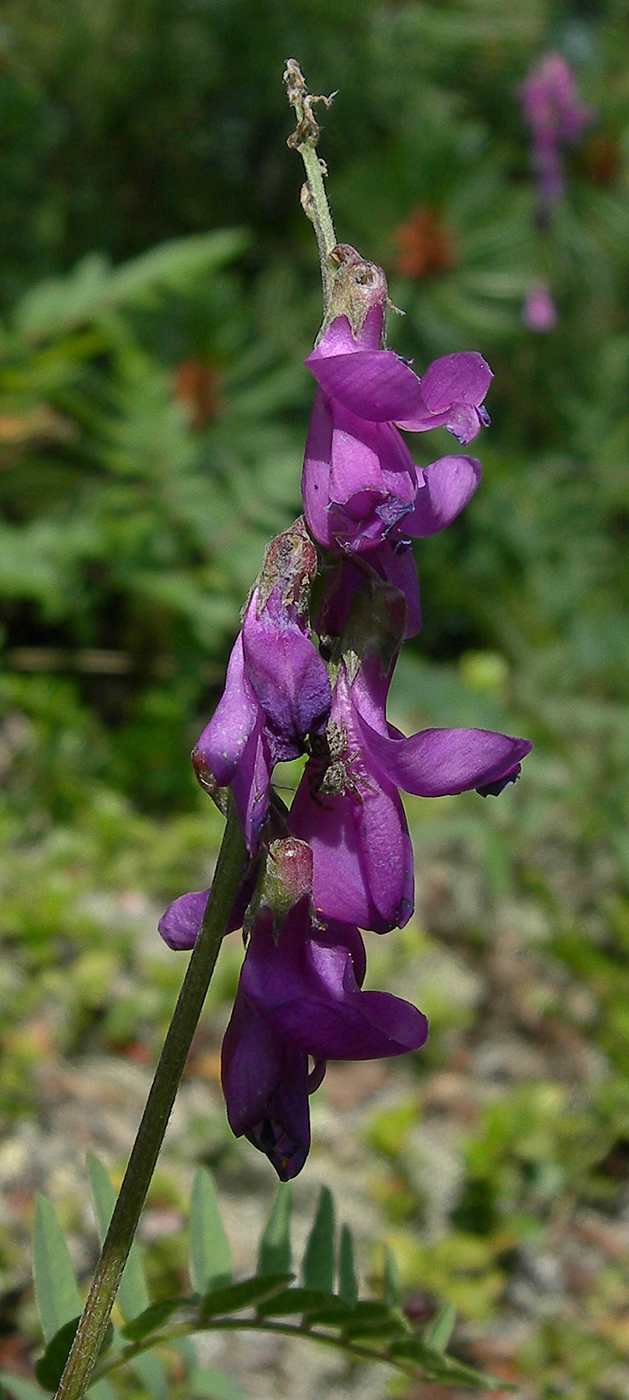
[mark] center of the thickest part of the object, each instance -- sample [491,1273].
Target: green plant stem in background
[137,1178]
[304,139]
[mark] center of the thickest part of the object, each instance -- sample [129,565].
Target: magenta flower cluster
[313,680]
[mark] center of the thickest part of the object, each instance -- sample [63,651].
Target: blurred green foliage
[159,289]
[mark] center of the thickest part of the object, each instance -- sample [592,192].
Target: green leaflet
[439,1332]
[222,1301]
[58,1298]
[348,1285]
[318,1262]
[209,1254]
[274,1254]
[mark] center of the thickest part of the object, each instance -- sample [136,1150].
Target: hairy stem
[137,1178]
[304,139]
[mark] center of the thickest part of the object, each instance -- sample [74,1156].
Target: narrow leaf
[241,1295]
[152,1318]
[209,1256]
[133,1296]
[274,1254]
[318,1263]
[302,1300]
[390,1281]
[439,1332]
[348,1287]
[58,1298]
[20,1388]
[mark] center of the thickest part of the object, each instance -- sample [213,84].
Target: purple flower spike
[348,808]
[299,996]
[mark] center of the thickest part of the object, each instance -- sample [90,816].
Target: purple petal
[355,462]
[265,1083]
[440,761]
[251,1066]
[287,676]
[181,921]
[250,786]
[352,882]
[225,738]
[465,422]
[394,562]
[315,480]
[460,378]
[364,1026]
[387,857]
[338,339]
[446,488]
[373,384]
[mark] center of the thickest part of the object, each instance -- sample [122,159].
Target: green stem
[319,211]
[137,1178]
[282,1329]
[304,139]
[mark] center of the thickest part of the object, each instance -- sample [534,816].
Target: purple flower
[348,808]
[277,689]
[359,483]
[299,996]
[538,311]
[556,117]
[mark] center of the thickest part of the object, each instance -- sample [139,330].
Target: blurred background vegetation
[159,289]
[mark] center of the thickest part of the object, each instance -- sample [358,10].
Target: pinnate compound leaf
[19,1388]
[348,1286]
[49,1368]
[152,1318]
[439,1332]
[209,1255]
[58,1298]
[220,1301]
[274,1254]
[318,1262]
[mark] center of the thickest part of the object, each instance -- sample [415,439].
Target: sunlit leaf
[242,1295]
[274,1253]
[348,1286]
[152,1318]
[209,1255]
[318,1262]
[439,1332]
[58,1298]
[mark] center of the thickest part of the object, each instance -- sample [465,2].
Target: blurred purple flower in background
[556,118]
[538,311]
